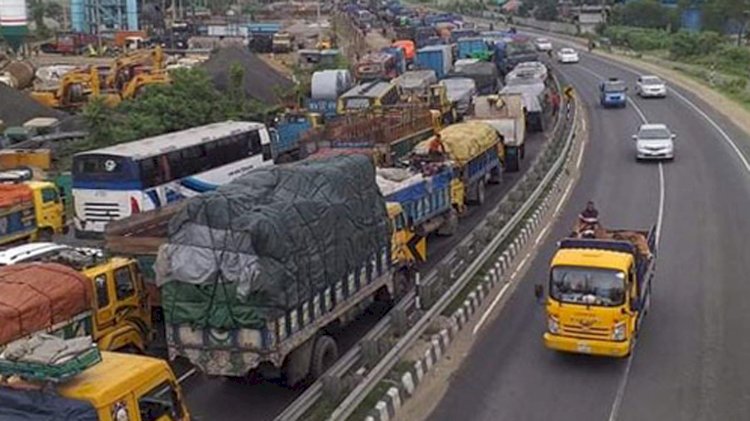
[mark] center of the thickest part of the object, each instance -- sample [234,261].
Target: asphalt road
[259,399]
[690,362]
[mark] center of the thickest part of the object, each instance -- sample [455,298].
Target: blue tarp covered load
[421,196]
[38,405]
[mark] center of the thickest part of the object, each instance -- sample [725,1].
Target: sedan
[567,55]
[543,44]
[651,87]
[654,141]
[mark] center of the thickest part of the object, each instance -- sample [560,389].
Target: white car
[543,44]
[651,87]
[29,253]
[538,68]
[654,141]
[567,55]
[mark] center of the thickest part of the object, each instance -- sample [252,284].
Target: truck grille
[585,332]
[103,212]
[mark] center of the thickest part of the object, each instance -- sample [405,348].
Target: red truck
[69,43]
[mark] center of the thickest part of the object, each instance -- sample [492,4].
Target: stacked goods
[463,141]
[37,297]
[16,211]
[269,241]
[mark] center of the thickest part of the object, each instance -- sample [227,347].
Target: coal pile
[262,82]
[18,107]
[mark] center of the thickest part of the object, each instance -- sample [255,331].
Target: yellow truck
[106,299]
[599,291]
[116,387]
[29,210]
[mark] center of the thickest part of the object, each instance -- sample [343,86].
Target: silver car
[654,141]
[651,87]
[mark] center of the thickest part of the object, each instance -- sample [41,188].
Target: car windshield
[654,133]
[567,51]
[542,40]
[519,47]
[651,80]
[590,286]
[614,86]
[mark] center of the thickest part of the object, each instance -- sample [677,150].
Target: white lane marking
[580,159]
[491,307]
[621,389]
[541,235]
[186,375]
[662,193]
[559,204]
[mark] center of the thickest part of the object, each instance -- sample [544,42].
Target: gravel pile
[18,107]
[262,82]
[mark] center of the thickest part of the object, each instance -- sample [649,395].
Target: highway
[690,361]
[235,399]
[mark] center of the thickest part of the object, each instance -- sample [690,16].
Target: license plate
[583,348]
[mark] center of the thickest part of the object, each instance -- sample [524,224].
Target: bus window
[254,138]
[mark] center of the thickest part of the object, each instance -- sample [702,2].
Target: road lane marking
[492,307]
[662,193]
[186,375]
[621,388]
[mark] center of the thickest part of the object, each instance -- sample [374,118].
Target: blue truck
[428,202]
[289,129]
[471,47]
[436,57]
[507,53]
[613,93]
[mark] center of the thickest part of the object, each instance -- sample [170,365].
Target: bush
[735,60]
[693,44]
[638,39]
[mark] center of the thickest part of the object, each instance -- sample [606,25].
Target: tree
[641,13]
[546,10]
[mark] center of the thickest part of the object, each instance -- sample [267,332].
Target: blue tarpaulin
[37,405]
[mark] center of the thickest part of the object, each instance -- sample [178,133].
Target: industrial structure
[95,16]
[13,25]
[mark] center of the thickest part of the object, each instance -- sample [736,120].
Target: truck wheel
[478,196]
[496,176]
[450,226]
[45,234]
[324,355]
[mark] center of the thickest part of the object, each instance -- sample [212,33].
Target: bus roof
[156,145]
[115,376]
[595,258]
[370,90]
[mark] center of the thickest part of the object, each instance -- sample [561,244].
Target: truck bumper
[587,346]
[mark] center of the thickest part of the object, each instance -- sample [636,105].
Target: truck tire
[45,234]
[496,176]
[450,226]
[325,354]
[478,196]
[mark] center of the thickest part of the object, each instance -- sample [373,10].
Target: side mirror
[635,304]
[627,88]
[635,137]
[539,293]
[674,136]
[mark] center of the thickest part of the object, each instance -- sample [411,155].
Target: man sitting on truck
[437,149]
[588,221]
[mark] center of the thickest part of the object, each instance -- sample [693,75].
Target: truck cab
[29,210]
[599,291]
[121,387]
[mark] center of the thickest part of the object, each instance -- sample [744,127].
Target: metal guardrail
[456,263]
[355,398]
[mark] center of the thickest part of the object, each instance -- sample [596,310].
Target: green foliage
[546,10]
[641,13]
[191,100]
[638,39]
[692,44]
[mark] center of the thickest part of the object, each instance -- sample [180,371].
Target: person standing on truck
[437,149]
[588,221]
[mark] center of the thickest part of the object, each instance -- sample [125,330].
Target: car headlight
[619,332]
[552,325]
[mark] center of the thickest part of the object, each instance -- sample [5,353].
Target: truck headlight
[552,325]
[618,333]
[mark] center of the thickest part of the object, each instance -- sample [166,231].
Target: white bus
[117,181]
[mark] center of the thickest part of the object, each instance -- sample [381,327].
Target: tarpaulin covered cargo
[42,405]
[14,194]
[269,241]
[464,141]
[37,296]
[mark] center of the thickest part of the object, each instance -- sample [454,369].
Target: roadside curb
[499,274]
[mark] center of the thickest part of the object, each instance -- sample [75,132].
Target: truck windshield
[590,286]
[614,86]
